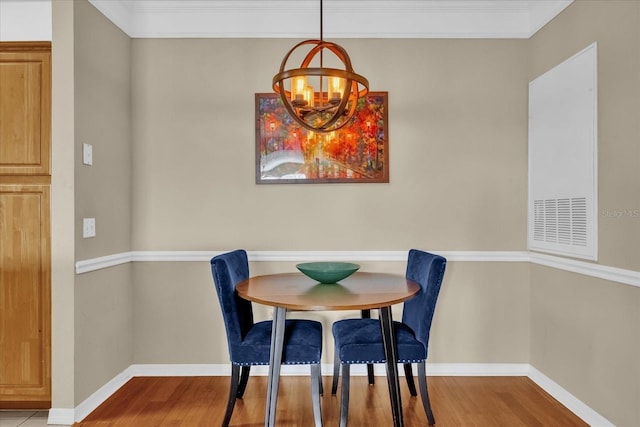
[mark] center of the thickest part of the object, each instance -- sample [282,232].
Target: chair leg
[366,314]
[344,398]
[336,373]
[244,377]
[315,394]
[422,381]
[408,373]
[370,376]
[233,392]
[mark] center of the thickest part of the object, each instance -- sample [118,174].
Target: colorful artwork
[288,153]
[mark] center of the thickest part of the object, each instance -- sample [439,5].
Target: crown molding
[541,12]
[342,18]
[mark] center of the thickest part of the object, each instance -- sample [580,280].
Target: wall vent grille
[562,221]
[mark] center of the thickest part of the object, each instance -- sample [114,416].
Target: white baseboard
[104,392]
[63,416]
[477,369]
[572,403]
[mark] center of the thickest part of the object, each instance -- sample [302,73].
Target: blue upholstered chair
[359,341]
[250,343]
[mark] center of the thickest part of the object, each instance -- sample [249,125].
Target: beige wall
[103,328]
[584,331]
[102,119]
[458,182]
[62,208]
[584,335]
[457,149]
[457,113]
[103,299]
[482,314]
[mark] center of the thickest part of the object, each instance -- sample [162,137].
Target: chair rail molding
[92,264]
[613,274]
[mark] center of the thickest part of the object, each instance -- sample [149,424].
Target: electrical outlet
[87,154]
[88,227]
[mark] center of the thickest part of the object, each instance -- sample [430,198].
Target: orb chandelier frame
[332,106]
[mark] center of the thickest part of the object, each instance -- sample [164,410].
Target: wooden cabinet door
[25,108]
[25,248]
[25,296]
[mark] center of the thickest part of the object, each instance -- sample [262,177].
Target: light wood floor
[456,401]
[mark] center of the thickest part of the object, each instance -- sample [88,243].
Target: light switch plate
[87,154]
[88,227]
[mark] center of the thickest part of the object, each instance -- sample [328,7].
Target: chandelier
[320,99]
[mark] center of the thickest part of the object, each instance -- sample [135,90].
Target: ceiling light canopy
[319,98]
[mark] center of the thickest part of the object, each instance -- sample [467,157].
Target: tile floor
[23,418]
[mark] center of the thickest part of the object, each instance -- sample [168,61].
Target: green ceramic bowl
[328,272]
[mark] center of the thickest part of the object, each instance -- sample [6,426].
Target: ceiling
[342,18]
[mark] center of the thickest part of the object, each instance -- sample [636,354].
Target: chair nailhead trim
[283,363]
[360,362]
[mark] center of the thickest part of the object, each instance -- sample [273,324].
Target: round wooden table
[360,291]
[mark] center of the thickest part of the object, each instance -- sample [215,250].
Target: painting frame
[287,153]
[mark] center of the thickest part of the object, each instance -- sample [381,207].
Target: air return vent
[562,216]
[561,221]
